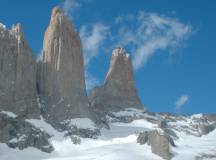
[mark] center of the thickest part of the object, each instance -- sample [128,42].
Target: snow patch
[82,123]
[19,139]
[197,116]
[43,125]
[138,123]
[9,114]
[30,153]
[118,143]
[2,26]
[123,148]
[129,112]
[119,129]
[188,146]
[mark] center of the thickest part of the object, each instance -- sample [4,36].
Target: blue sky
[172,44]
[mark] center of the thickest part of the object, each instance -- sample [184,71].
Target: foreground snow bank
[30,153]
[118,143]
[113,149]
[189,147]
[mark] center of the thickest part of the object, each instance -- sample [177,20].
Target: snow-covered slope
[189,146]
[120,141]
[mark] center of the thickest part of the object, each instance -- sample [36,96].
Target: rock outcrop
[19,133]
[17,74]
[119,91]
[211,117]
[159,142]
[61,83]
[202,124]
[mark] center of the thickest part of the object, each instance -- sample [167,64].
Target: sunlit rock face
[60,76]
[160,143]
[119,91]
[17,74]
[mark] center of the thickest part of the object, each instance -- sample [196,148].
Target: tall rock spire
[119,91]
[17,74]
[61,82]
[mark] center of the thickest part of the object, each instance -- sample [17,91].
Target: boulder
[75,139]
[211,117]
[159,142]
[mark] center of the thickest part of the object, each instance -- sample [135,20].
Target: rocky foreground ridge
[52,94]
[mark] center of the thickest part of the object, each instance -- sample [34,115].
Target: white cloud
[181,102]
[93,38]
[69,6]
[92,35]
[143,34]
[146,33]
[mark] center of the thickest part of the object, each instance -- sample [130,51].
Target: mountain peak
[17,30]
[57,15]
[60,21]
[61,72]
[120,52]
[17,27]
[56,10]
[119,90]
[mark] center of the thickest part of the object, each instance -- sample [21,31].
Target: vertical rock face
[17,74]
[61,83]
[119,91]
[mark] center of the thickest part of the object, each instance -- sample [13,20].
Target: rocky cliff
[64,106]
[18,99]
[119,91]
[17,74]
[61,83]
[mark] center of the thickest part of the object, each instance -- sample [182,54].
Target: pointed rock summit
[17,74]
[61,83]
[119,91]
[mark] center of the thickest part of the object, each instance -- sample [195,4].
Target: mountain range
[45,112]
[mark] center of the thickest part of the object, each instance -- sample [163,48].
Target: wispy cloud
[93,37]
[70,6]
[181,102]
[146,33]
